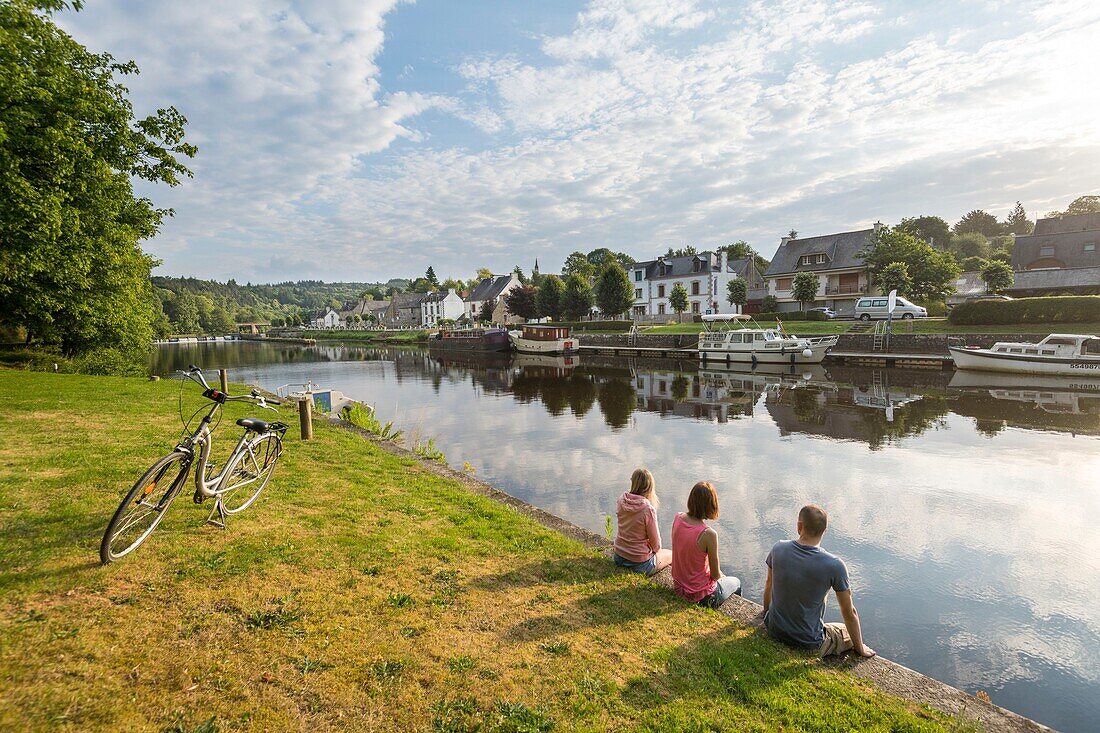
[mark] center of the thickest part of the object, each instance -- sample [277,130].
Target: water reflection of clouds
[968,552]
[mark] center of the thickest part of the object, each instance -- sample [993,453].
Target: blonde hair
[642,483]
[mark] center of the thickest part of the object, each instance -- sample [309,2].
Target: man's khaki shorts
[836,641]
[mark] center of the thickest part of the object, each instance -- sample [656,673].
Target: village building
[1056,243]
[489,289]
[842,275]
[326,318]
[704,275]
[440,306]
[404,311]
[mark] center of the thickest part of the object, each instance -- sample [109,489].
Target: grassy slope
[921,325]
[360,592]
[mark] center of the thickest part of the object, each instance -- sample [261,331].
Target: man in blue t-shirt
[800,575]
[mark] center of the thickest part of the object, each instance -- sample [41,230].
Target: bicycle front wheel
[144,506]
[248,472]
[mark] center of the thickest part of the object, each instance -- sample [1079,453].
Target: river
[968,511]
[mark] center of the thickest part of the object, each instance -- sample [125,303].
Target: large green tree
[971,244]
[614,291]
[895,276]
[600,257]
[737,292]
[1080,205]
[805,287]
[930,270]
[978,221]
[1017,221]
[550,296]
[577,264]
[740,250]
[71,270]
[678,299]
[997,277]
[931,229]
[576,299]
[522,301]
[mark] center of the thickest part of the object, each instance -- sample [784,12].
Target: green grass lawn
[360,592]
[919,325]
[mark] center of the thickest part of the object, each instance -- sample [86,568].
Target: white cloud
[648,124]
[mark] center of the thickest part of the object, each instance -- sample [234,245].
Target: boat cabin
[1056,344]
[545,333]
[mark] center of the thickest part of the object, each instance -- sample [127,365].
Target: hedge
[1062,309]
[791,316]
[594,325]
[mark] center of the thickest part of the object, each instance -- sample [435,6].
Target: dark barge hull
[487,342]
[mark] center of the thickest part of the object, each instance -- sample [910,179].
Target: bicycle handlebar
[194,371]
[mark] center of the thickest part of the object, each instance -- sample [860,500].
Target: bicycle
[251,464]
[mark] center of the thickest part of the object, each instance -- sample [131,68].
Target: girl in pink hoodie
[638,541]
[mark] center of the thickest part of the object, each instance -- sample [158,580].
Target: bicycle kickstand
[219,510]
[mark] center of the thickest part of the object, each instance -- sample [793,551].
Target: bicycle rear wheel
[248,473]
[144,506]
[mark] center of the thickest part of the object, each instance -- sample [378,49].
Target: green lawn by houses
[360,592]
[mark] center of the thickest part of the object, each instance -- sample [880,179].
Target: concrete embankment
[887,676]
[279,339]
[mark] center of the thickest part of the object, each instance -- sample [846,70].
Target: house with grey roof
[404,310]
[834,258]
[1065,242]
[440,306]
[489,290]
[1059,281]
[705,276]
[968,284]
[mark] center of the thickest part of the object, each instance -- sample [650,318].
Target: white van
[868,308]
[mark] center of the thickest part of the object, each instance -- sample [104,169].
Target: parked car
[829,312]
[875,308]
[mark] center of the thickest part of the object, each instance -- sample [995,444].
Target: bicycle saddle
[254,424]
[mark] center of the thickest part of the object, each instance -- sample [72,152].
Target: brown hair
[814,520]
[642,484]
[703,501]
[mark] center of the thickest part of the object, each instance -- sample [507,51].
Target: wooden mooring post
[305,417]
[223,375]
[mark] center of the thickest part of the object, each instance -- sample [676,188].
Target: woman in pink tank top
[696,572]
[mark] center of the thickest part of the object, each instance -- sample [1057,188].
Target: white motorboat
[540,339]
[728,338]
[1059,354]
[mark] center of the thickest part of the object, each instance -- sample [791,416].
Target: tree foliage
[931,271]
[550,297]
[895,276]
[522,301]
[971,244]
[430,276]
[614,291]
[981,222]
[576,298]
[740,250]
[997,276]
[601,256]
[927,228]
[577,264]
[678,299]
[687,251]
[1017,221]
[1080,205]
[71,270]
[485,315]
[737,292]
[805,287]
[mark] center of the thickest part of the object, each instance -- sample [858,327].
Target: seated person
[696,572]
[638,540]
[800,574]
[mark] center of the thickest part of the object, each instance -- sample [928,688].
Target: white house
[329,319]
[438,306]
[489,289]
[834,258]
[704,276]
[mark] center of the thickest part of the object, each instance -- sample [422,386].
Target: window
[864,304]
[1061,342]
[695,306]
[637,293]
[1046,251]
[661,309]
[735,338]
[759,337]
[878,303]
[694,287]
[695,266]
[660,291]
[784,283]
[637,276]
[1090,247]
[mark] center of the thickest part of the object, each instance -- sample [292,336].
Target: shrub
[110,362]
[935,308]
[1061,309]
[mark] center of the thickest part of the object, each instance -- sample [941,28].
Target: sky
[368,139]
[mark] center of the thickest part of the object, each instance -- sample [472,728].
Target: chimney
[784,240]
[878,225]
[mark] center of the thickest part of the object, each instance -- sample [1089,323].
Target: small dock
[878,359]
[652,352]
